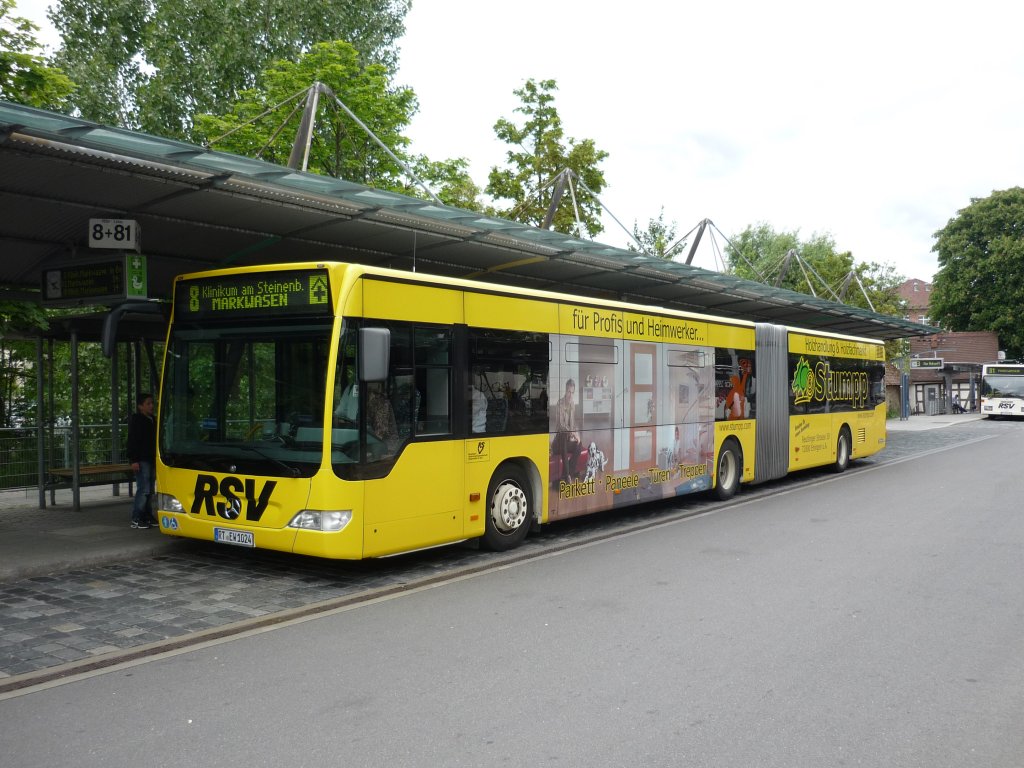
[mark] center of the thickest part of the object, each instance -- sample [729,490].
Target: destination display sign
[928,363]
[252,294]
[96,282]
[1005,370]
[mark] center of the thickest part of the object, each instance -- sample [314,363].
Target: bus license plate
[238,538]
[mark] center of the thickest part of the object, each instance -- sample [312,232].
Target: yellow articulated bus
[349,412]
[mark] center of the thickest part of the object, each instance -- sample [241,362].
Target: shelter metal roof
[200,209]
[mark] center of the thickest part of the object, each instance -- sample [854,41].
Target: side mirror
[114,317]
[374,353]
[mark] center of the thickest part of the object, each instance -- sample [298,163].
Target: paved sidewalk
[922,422]
[39,542]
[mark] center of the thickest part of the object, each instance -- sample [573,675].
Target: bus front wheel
[729,471]
[508,509]
[843,447]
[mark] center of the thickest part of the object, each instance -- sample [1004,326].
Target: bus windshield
[1000,385]
[246,398]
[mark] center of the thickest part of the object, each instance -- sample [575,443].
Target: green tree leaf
[153,64]
[448,179]
[980,282]
[760,253]
[659,239]
[340,147]
[25,77]
[541,152]
[265,121]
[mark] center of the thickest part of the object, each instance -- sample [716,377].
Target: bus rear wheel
[729,471]
[508,509]
[843,448]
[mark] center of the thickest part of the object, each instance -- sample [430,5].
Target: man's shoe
[141,524]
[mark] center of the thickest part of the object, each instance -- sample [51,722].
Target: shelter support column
[76,491]
[40,422]
[115,416]
[51,411]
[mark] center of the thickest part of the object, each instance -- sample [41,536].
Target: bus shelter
[73,454]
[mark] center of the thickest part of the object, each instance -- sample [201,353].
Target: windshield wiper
[187,458]
[293,471]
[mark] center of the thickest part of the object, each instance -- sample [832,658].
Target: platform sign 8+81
[117,234]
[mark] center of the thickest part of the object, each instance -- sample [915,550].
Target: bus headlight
[165,502]
[328,522]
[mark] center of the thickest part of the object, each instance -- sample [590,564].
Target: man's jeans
[144,482]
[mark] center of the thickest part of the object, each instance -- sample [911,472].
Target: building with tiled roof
[956,357]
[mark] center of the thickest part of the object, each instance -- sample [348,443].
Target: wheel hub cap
[508,510]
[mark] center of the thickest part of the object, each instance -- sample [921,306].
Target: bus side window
[433,380]
[508,372]
[380,422]
[876,375]
[400,377]
[407,401]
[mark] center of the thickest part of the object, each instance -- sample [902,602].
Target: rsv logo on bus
[234,491]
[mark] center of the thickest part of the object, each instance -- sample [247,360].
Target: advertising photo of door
[643,402]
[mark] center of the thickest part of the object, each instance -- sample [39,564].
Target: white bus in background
[1002,389]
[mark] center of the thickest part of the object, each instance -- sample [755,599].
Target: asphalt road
[874,618]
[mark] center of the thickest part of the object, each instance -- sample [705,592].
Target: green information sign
[136,282]
[928,363]
[270,294]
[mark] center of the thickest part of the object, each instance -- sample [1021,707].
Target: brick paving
[50,620]
[87,613]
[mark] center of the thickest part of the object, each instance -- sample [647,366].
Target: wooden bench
[91,474]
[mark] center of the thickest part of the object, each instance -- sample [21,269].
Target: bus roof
[354,271]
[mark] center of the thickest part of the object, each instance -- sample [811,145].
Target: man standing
[567,441]
[142,456]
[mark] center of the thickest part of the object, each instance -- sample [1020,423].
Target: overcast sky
[874,122]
